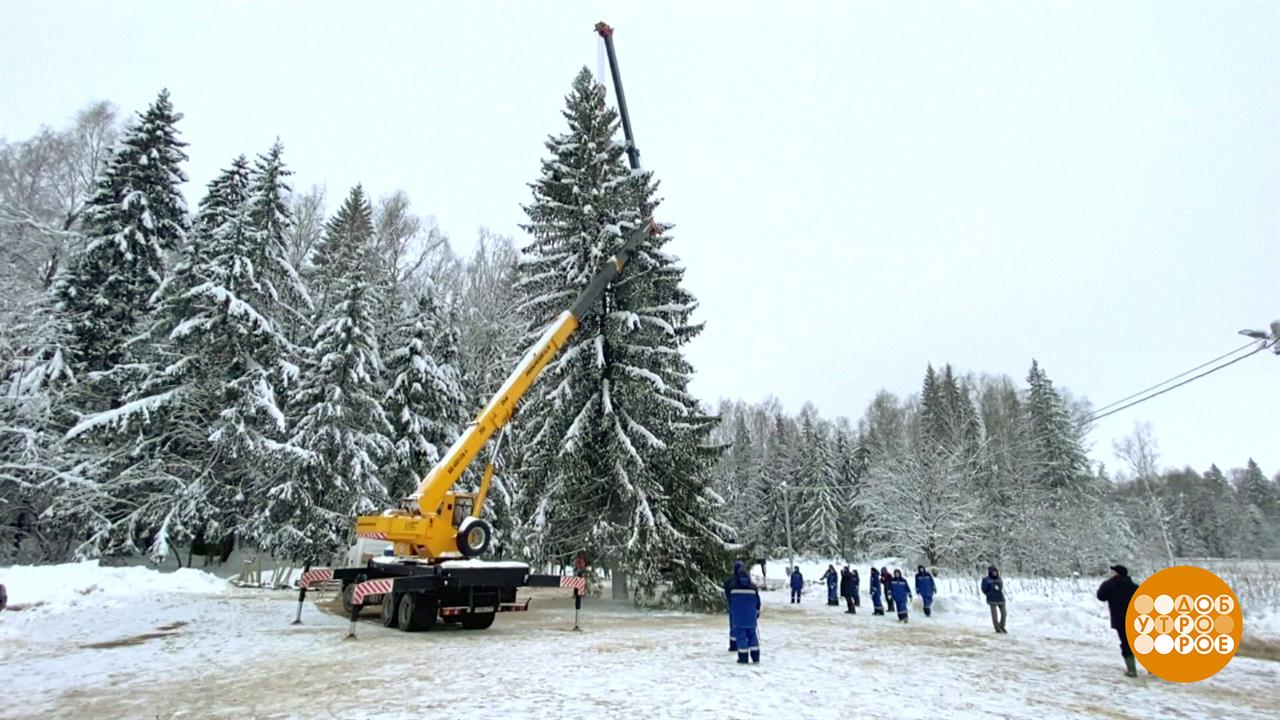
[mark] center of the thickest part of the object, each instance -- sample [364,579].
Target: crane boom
[502,406]
[437,521]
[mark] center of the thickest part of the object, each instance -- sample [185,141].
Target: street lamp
[786,512]
[1264,336]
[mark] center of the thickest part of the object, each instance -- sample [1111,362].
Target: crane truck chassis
[438,534]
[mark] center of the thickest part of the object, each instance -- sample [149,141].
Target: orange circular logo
[1184,624]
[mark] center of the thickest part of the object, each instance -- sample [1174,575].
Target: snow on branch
[143,406]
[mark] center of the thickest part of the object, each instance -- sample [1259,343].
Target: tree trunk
[619,578]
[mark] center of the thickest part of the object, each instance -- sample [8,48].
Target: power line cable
[1175,377]
[1098,416]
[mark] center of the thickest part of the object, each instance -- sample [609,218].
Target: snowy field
[132,643]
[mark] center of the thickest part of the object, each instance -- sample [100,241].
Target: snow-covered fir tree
[342,434]
[1057,455]
[135,217]
[610,432]
[847,474]
[819,507]
[197,433]
[424,400]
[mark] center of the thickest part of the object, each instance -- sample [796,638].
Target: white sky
[859,189]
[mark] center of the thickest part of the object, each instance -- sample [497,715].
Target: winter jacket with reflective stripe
[901,590]
[744,605]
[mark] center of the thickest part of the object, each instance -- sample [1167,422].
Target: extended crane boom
[423,580]
[438,522]
[435,531]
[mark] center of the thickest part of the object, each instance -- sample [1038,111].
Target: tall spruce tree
[342,434]
[424,400]
[198,430]
[135,217]
[610,431]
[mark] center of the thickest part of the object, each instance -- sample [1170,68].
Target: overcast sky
[859,190]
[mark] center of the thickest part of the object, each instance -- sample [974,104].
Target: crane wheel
[389,603]
[474,536]
[478,621]
[415,611]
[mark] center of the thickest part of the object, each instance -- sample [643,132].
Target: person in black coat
[873,589]
[1116,591]
[885,580]
[849,589]
[993,588]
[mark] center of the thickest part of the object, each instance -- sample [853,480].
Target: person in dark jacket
[873,587]
[1116,591]
[993,588]
[901,591]
[797,584]
[849,589]
[831,576]
[744,614]
[885,579]
[925,588]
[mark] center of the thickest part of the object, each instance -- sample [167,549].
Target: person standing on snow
[901,590]
[993,588]
[849,590]
[925,588]
[797,584]
[831,576]
[744,614]
[885,579]
[728,600]
[1116,591]
[873,587]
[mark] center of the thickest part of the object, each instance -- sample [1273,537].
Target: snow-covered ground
[169,646]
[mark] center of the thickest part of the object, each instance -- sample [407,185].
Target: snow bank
[58,588]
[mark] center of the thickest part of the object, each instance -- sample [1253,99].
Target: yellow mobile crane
[438,533]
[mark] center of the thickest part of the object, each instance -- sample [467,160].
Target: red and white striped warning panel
[577,583]
[311,577]
[371,535]
[371,587]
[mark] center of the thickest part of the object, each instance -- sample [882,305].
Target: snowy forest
[979,469]
[269,363]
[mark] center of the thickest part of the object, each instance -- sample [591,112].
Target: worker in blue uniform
[744,614]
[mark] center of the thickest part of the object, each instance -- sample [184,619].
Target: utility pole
[786,514]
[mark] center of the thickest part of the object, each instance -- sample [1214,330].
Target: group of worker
[743,598]
[893,587]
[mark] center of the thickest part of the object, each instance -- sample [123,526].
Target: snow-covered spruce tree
[817,523]
[610,434]
[198,433]
[1071,529]
[342,434]
[33,377]
[847,474]
[1057,454]
[425,400]
[924,497]
[741,484]
[1004,485]
[135,216]
[776,502]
